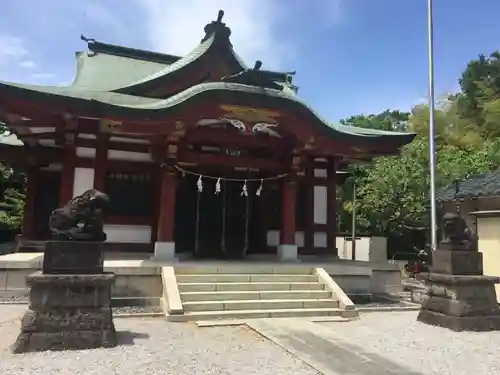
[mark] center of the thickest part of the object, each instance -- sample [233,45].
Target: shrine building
[201,155]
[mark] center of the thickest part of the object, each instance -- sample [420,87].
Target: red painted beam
[38,136]
[242,162]
[112,145]
[223,137]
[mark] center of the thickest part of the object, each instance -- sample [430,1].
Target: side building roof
[484,184]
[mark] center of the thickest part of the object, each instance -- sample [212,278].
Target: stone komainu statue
[80,219]
[457,233]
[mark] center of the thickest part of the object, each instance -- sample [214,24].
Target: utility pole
[432,131]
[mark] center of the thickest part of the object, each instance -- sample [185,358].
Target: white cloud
[41,77]
[11,48]
[99,14]
[176,27]
[27,64]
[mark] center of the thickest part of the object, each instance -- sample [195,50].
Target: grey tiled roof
[483,184]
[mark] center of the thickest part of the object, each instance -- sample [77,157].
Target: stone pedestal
[73,257]
[458,296]
[70,301]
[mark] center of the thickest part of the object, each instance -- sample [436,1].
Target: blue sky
[351,56]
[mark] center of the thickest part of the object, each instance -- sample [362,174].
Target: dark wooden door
[46,200]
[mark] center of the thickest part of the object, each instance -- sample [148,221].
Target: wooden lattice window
[130,194]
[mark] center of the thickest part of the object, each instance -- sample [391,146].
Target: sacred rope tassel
[217,186]
[244,191]
[259,190]
[200,184]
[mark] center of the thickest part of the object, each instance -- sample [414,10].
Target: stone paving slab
[240,322]
[316,346]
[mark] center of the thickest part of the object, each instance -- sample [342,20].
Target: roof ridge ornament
[88,40]
[220,15]
[253,77]
[217,27]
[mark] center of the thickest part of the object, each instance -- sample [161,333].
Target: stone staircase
[249,292]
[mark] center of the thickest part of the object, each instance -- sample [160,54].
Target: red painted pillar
[331,202]
[287,232]
[67,175]
[309,185]
[157,179]
[28,229]
[166,217]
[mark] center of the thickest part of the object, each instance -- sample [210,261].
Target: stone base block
[288,253]
[67,312]
[69,291]
[457,262]
[164,251]
[460,323]
[465,307]
[67,320]
[66,340]
[73,257]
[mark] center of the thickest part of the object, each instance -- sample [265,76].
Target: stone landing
[322,350]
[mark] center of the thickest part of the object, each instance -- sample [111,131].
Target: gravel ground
[431,350]
[154,346]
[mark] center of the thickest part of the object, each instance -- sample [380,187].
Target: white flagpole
[432,131]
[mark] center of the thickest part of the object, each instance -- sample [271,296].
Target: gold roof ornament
[109,126]
[359,150]
[249,114]
[310,143]
[178,132]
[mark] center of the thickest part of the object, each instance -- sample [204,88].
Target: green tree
[12,195]
[391,120]
[393,194]
[481,71]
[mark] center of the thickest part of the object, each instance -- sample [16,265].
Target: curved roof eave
[114,104]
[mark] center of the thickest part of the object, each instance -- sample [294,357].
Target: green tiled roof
[122,69]
[107,72]
[484,184]
[195,54]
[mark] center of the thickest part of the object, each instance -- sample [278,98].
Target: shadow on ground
[128,337]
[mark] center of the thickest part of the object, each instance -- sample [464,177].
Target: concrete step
[241,278]
[240,269]
[271,304]
[254,295]
[246,286]
[254,314]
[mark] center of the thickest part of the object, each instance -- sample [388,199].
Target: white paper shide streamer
[200,184]
[217,187]
[244,191]
[259,190]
